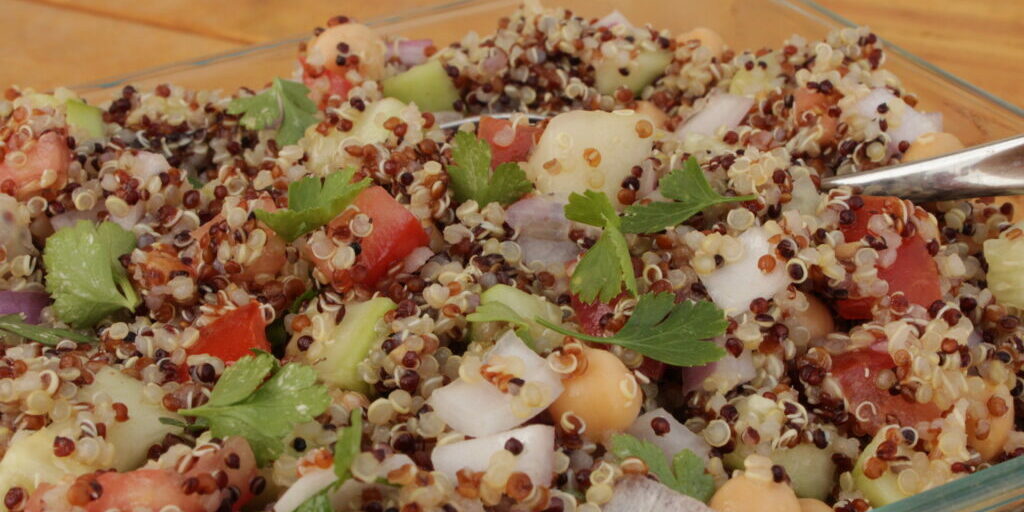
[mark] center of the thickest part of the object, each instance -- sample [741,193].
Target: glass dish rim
[962,491]
[126,78]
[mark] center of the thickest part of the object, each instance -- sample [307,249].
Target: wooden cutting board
[44,43]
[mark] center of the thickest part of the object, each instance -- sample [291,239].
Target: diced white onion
[734,286]
[721,109]
[536,459]
[677,439]
[639,493]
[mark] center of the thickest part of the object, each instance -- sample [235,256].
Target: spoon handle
[993,169]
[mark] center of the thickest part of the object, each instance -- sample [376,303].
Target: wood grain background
[44,43]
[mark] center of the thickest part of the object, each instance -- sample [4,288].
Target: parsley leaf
[692,193]
[51,336]
[606,267]
[318,502]
[285,101]
[665,331]
[686,475]
[498,312]
[263,414]
[348,446]
[471,176]
[83,273]
[313,202]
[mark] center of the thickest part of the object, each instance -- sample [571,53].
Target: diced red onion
[416,259]
[639,493]
[70,218]
[536,460]
[30,303]
[479,408]
[614,18]
[677,439]
[495,62]
[543,230]
[410,52]
[734,285]
[721,109]
[722,375]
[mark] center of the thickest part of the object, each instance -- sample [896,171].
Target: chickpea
[600,396]
[655,114]
[362,41]
[745,493]
[813,505]
[999,427]
[930,145]
[708,38]
[817,319]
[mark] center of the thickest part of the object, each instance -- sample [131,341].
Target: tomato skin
[233,335]
[518,150]
[589,315]
[143,487]
[396,232]
[856,372]
[914,272]
[48,152]
[324,83]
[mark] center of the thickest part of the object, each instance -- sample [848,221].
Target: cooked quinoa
[870,348]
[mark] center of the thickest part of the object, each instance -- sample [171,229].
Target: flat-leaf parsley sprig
[285,104]
[471,176]
[313,202]
[665,331]
[692,194]
[606,267]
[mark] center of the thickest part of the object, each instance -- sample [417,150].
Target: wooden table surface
[44,43]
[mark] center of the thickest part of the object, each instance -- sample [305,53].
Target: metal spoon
[993,169]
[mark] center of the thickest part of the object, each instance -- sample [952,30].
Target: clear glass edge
[997,486]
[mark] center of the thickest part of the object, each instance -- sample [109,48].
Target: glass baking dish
[972,114]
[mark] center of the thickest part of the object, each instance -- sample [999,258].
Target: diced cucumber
[810,469]
[30,461]
[529,307]
[885,489]
[642,71]
[348,343]
[85,121]
[132,438]
[427,85]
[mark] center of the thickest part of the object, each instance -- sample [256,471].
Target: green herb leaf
[498,312]
[692,192]
[686,475]
[348,446]
[471,176]
[606,267]
[665,331]
[691,479]
[285,101]
[318,502]
[83,274]
[301,300]
[313,202]
[263,414]
[51,336]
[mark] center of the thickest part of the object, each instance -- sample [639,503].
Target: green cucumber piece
[526,305]
[349,342]
[427,85]
[86,121]
[30,461]
[885,489]
[133,437]
[643,71]
[810,469]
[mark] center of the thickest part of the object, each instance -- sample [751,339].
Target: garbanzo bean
[931,145]
[746,493]
[817,319]
[361,41]
[708,38]
[813,505]
[657,116]
[606,396]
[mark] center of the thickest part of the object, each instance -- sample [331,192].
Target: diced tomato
[233,335]
[873,205]
[156,488]
[396,232]
[589,315]
[856,372]
[806,100]
[49,153]
[506,148]
[914,272]
[324,83]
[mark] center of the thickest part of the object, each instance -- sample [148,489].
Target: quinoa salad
[616,285]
